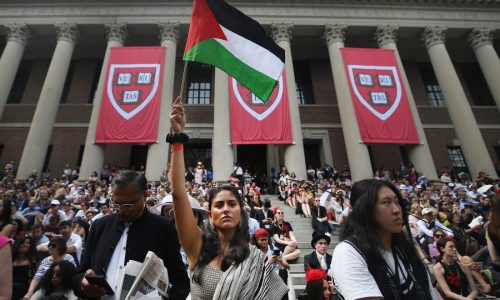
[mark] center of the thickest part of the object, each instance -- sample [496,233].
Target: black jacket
[259,216]
[311,261]
[149,233]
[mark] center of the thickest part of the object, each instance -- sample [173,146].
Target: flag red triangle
[203,25]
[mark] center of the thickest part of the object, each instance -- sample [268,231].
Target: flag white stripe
[252,54]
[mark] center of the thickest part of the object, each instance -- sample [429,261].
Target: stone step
[298,279]
[296,269]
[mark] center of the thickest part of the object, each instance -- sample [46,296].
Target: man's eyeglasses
[124,206]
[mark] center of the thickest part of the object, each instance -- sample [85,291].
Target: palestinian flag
[222,36]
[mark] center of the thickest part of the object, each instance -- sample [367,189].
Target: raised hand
[177,116]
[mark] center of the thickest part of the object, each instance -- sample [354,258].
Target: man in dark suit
[128,235]
[265,216]
[318,259]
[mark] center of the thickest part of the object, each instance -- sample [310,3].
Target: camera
[277,252]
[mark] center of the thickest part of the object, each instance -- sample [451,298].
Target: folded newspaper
[146,280]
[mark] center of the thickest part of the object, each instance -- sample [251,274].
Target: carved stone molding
[18,33]
[480,36]
[169,31]
[385,34]
[117,32]
[433,35]
[281,32]
[334,33]
[67,32]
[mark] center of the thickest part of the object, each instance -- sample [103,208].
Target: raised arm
[189,233]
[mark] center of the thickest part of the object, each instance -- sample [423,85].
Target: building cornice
[349,13]
[433,3]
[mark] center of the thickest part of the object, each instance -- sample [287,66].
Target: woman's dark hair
[362,225]
[60,244]
[441,243]
[314,290]
[210,248]
[5,217]
[17,244]
[494,225]
[66,272]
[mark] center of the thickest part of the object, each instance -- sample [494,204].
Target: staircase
[302,230]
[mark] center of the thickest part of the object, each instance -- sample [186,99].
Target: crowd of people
[402,236]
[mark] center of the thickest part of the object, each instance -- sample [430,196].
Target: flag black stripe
[241,24]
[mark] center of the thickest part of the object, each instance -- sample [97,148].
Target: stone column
[158,152]
[481,42]
[40,132]
[222,151]
[17,37]
[357,151]
[93,154]
[420,155]
[466,128]
[294,153]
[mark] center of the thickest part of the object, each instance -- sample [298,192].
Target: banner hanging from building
[379,97]
[130,102]
[254,121]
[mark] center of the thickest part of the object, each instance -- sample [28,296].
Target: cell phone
[277,252]
[100,280]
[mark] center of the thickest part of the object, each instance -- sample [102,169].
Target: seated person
[319,258]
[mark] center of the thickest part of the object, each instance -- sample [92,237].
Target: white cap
[429,210]
[402,187]
[55,202]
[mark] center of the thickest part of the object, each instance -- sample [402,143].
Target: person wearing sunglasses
[57,282]
[283,236]
[433,250]
[57,251]
[128,234]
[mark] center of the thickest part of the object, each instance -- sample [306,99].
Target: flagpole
[184,74]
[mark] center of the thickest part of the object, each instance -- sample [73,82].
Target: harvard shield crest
[378,88]
[131,87]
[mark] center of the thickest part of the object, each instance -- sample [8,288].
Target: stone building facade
[54,56]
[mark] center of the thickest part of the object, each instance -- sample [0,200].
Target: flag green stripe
[212,52]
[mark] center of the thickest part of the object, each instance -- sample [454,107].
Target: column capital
[433,35]
[18,33]
[67,32]
[385,34]
[334,33]
[169,31]
[116,32]
[281,32]
[480,36]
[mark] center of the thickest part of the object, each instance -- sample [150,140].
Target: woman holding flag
[222,263]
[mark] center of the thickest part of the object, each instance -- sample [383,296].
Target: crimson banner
[379,96]
[256,122]
[130,102]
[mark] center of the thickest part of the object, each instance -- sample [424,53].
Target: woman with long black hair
[223,264]
[57,282]
[376,259]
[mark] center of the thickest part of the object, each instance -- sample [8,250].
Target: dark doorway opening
[312,155]
[138,157]
[253,157]
[195,152]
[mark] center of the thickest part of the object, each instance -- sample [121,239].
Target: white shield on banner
[131,87]
[275,101]
[378,88]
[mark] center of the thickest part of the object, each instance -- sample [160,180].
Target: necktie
[322,262]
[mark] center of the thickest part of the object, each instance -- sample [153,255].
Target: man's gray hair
[128,177]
